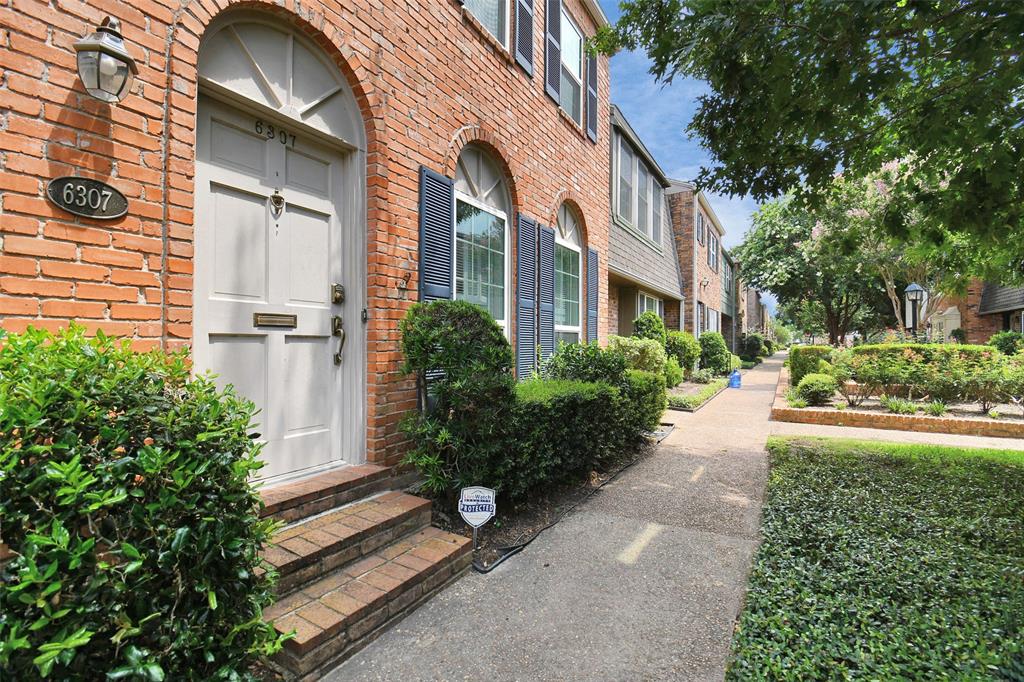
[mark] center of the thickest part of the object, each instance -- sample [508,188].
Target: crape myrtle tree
[795,255]
[800,90]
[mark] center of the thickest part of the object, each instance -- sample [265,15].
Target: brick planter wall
[897,422]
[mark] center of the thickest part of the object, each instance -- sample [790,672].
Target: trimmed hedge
[484,429]
[644,354]
[817,389]
[714,354]
[127,501]
[803,360]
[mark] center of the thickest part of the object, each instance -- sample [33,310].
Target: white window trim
[507,284]
[583,75]
[579,252]
[659,303]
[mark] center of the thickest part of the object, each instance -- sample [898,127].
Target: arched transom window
[482,207]
[568,280]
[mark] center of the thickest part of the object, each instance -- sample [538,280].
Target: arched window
[568,279]
[482,207]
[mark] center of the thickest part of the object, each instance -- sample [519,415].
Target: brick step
[314,547]
[308,497]
[335,616]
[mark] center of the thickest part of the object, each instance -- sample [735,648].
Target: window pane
[490,13]
[643,181]
[656,213]
[625,181]
[570,96]
[567,287]
[480,259]
[572,47]
[567,337]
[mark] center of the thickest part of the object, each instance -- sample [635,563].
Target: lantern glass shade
[914,292]
[104,65]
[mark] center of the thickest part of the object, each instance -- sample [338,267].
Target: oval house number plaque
[87,197]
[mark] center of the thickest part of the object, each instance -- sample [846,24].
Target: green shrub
[803,360]
[750,364]
[958,335]
[843,372]
[817,389]
[643,354]
[673,372]
[685,348]
[752,345]
[562,430]
[1008,342]
[650,326]
[586,362]
[702,376]
[898,405]
[770,347]
[462,440]
[644,401]
[735,362]
[126,498]
[936,408]
[714,354]
[793,399]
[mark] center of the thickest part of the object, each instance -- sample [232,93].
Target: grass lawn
[885,561]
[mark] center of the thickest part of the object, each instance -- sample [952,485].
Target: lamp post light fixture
[914,294]
[104,65]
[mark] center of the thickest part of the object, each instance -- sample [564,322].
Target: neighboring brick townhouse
[643,267]
[297,175]
[704,272]
[985,309]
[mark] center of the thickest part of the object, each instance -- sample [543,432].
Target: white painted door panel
[252,258]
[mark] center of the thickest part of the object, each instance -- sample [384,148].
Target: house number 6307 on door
[272,132]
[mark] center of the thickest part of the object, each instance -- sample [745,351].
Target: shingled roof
[1000,299]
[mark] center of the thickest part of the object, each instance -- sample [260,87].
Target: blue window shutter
[524,35]
[437,235]
[526,295]
[592,97]
[553,49]
[591,295]
[546,292]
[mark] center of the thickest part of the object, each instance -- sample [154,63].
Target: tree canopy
[801,90]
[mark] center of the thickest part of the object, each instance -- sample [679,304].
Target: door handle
[338,329]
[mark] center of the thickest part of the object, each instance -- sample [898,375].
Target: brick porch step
[314,495]
[314,547]
[341,612]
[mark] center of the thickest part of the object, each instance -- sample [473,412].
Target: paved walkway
[642,582]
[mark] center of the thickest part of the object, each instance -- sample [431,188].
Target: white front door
[269,249]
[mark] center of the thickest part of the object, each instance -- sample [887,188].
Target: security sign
[476,505]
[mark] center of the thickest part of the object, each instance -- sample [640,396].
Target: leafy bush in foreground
[884,562]
[804,360]
[714,354]
[817,389]
[673,372]
[650,326]
[125,496]
[646,355]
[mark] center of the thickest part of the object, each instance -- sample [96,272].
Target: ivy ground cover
[886,561]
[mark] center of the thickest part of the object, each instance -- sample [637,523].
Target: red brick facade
[979,328]
[701,282]
[428,80]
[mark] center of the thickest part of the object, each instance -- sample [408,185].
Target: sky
[659,114]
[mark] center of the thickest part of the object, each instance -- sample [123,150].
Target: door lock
[338,329]
[337,293]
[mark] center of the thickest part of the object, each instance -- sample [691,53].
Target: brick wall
[428,80]
[681,209]
[613,309]
[979,328]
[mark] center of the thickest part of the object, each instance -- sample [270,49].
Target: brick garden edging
[896,422]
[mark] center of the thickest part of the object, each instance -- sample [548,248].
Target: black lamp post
[914,294]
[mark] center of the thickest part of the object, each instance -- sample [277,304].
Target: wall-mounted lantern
[104,65]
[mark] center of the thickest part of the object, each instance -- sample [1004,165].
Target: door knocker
[276,203]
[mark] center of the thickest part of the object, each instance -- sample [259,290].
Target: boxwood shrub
[817,389]
[644,354]
[803,360]
[714,354]
[650,326]
[126,499]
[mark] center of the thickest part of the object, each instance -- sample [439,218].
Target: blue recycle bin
[734,379]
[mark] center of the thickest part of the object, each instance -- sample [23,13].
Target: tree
[799,90]
[806,262]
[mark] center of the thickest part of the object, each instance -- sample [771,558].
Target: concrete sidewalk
[642,582]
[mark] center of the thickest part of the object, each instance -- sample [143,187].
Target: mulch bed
[517,522]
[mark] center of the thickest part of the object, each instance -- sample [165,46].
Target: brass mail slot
[274,320]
